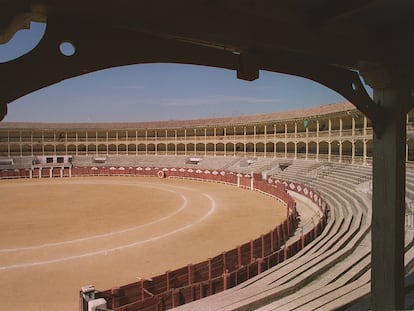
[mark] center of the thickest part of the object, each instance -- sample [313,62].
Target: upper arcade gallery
[335,132]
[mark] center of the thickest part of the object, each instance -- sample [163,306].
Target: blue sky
[152,92]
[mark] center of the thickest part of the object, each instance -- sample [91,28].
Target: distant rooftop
[312,112]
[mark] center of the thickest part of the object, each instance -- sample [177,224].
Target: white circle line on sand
[104,235]
[211,210]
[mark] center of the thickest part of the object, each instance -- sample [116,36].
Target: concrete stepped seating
[321,297]
[19,162]
[345,281]
[312,293]
[217,163]
[354,175]
[302,167]
[214,163]
[257,165]
[299,277]
[306,265]
[234,163]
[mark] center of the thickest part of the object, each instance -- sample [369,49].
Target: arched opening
[290,147]
[71,149]
[335,151]
[191,149]
[81,149]
[323,150]
[15,150]
[239,149]
[151,148]
[102,149]
[91,148]
[312,150]
[347,151]
[180,148]
[229,148]
[49,149]
[60,149]
[37,148]
[201,148]
[280,150]
[249,148]
[3,150]
[27,149]
[122,149]
[111,149]
[301,150]
[142,149]
[161,149]
[220,149]
[270,149]
[260,148]
[170,148]
[210,147]
[132,148]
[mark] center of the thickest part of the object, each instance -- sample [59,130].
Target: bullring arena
[61,234]
[256,212]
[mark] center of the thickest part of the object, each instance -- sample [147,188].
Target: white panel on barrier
[94,304]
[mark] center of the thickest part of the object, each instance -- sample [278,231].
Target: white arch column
[307,143]
[225,140]
[21,147]
[66,143]
[205,141]
[254,141]
[185,142]
[234,141]
[274,141]
[175,142]
[317,140]
[365,140]
[364,158]
[136,142]
[43,144]
[146,142]
[31,143]
[244,142]
[330,140]
[215,142]
[353,140]
[76,143]
[126,142]
[296,143]
[340,140]
[96,143]
[156,142]
[86,142]
[285,140]
[117,143]
[54,143]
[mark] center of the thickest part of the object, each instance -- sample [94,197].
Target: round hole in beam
[67,48]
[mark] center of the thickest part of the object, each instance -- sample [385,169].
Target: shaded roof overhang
[326,41]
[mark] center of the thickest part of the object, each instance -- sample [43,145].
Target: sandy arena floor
[58,235]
